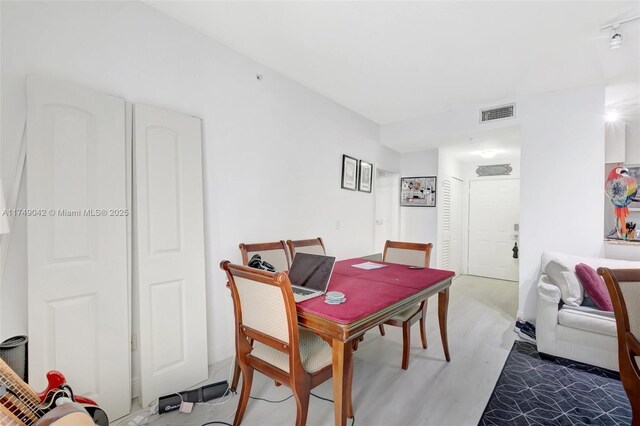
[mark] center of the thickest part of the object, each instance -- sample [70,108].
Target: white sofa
[578,333]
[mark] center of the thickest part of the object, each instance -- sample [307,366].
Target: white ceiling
[394,60]
[466,147]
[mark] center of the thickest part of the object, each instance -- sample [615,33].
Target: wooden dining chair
[269,340]
[312,246]
[624,289]
[275,253]
[412,254]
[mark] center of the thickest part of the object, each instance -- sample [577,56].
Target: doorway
[387,208]
[494,216]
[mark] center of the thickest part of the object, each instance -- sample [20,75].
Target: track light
[615,39]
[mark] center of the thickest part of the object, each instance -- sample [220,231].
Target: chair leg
[406,344]
[635,415]
[381,329]
[236,375]
[247,380]
[423,334]
[302,405]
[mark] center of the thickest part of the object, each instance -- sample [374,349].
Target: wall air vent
[497,113]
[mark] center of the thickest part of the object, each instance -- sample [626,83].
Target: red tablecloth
[368,291]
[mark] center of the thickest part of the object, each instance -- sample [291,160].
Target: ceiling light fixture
[615,38]
[612,116]
[488,153]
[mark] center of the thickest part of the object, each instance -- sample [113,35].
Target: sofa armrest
[548,291]
[547,316]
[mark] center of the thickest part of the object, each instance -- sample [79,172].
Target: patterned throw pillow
[594,287]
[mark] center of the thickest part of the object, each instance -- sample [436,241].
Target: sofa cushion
[566,279]
[594,286]
[588,319]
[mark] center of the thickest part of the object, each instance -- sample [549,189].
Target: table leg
[349,387]
[443,307]
[342,358]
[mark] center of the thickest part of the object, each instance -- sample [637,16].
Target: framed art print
[418,191]
[349,173]
[634,170]
[365,175]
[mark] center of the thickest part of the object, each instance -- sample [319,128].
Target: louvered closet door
[451,251]
[77,242]
[169,250]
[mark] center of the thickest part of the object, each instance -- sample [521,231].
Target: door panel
[77,259]
[169,251]
[451,225]
[387,207]
[493,211]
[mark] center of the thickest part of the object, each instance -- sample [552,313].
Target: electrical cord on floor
[322,398]
[221,423]
[353,419]
[273,402]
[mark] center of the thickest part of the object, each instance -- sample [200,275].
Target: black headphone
[257,263]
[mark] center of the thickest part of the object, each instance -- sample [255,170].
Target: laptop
[309,275]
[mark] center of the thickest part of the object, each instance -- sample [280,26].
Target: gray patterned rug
[533,391]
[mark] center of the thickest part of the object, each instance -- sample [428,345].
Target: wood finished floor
[432,392]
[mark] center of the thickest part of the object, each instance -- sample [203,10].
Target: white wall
[419,224]
[272,148]
[561,180]
[562,160]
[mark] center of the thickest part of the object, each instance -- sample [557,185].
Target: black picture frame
[349,173]
[365,176]
[418,191]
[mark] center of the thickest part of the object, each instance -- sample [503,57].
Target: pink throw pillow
[594,286]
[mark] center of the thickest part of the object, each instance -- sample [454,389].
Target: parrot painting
[622,189]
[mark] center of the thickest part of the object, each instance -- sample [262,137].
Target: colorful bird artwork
[622,190]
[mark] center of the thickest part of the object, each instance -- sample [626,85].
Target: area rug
[535,391]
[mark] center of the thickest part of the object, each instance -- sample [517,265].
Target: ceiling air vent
[497,113]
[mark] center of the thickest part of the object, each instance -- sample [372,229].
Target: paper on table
[369,265]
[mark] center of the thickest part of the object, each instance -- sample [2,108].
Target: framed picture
[418,191]
[364,182]
[349,173]
[634,170]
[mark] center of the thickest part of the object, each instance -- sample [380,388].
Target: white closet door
[169,245]
[451,225]
[77,253]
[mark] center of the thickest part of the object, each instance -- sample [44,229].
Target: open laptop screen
[311,271]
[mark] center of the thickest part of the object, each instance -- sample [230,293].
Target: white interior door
[452,225]
[77,242]
[387,204]
[169,248]
[494,211]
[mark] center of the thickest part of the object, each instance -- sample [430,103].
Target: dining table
[375,292]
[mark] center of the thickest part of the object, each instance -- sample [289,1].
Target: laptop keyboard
[301,292]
